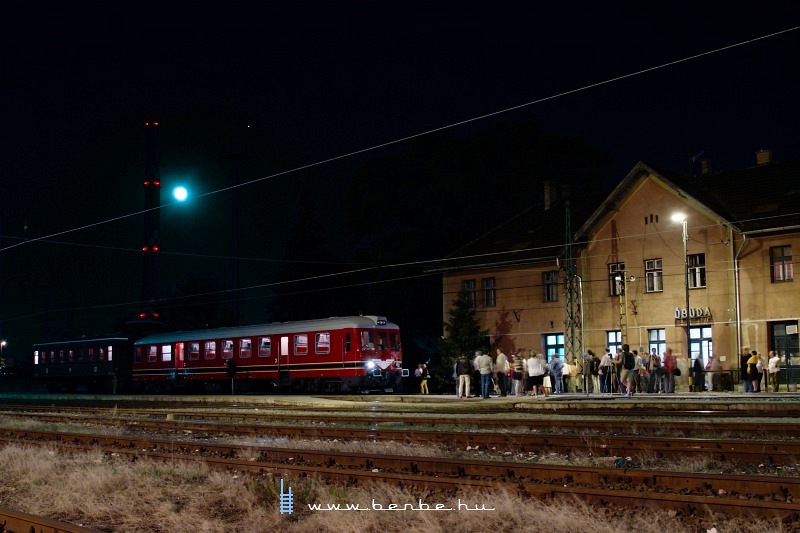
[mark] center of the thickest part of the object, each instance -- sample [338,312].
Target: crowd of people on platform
[527,373]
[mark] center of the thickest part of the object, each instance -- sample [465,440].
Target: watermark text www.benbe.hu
[377,506]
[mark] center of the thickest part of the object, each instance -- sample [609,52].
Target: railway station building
[579,272]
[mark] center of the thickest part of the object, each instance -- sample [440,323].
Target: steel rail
[12,521]
[765,496]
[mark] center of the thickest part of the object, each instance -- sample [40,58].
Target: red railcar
[354,353]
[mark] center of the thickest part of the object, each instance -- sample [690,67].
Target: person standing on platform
[753,373]
[763,367]
[501,372]
[698,383]
[773,368]
[747,383]
[716,373]
[519,374]
[654,369]
[536,369]
[670,364]
[606,364]
[485,368]
[464,370]
[556,374]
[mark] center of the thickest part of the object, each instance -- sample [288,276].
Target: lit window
[245,347]
[227,349]
[658,340]
[654,275]
[614,339]
[166,352]
[301,344]
[323,342]
[781,263]
[210,350]
[194,351]
[264,347]
[110,353]
[152,354]
[553,345]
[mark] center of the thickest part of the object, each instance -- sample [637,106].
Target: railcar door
[283,362]
[179,358]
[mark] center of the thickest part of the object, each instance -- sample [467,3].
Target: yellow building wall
[638,229]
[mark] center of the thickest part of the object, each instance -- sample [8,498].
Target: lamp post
[683,219]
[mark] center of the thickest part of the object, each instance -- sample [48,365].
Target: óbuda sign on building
[637,278]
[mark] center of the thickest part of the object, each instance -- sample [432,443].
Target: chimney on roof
[705,166]
[763,157]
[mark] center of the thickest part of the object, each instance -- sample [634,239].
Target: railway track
[630,423]
[766,496]
[780,452]
[12,521]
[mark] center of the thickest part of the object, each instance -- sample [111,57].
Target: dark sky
[290,84]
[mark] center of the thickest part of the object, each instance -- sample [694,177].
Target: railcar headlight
[370,364]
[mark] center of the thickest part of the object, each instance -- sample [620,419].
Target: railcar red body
[333,354]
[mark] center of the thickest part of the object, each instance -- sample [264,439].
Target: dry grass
[111,494]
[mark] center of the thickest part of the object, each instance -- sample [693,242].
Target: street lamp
[683,219]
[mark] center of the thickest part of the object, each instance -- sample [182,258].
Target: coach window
[110,353]
[80,355]
[152,354]
[323,342]
[394,341]
[36,357]
[194,351]
[137,355]
[382,340]
[227,349]
[301,344]
[52,356]
[71,356]
[211,350]
[91,355]
[100,355]
[61,356]
[367,340]
[245,347]
[166,352]
[264,347]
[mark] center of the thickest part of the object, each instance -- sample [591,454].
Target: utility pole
[573,341]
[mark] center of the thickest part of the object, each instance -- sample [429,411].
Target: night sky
[277,89]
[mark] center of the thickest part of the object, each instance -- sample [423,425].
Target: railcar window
[264,347]
[137,355]
[152,354]
[301,344]
[394,341]
[194,351]
[211,349]
[367,340]
[245,347]
[227,349]
[346,342]
[166,352]
[382,342]
[323,342]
